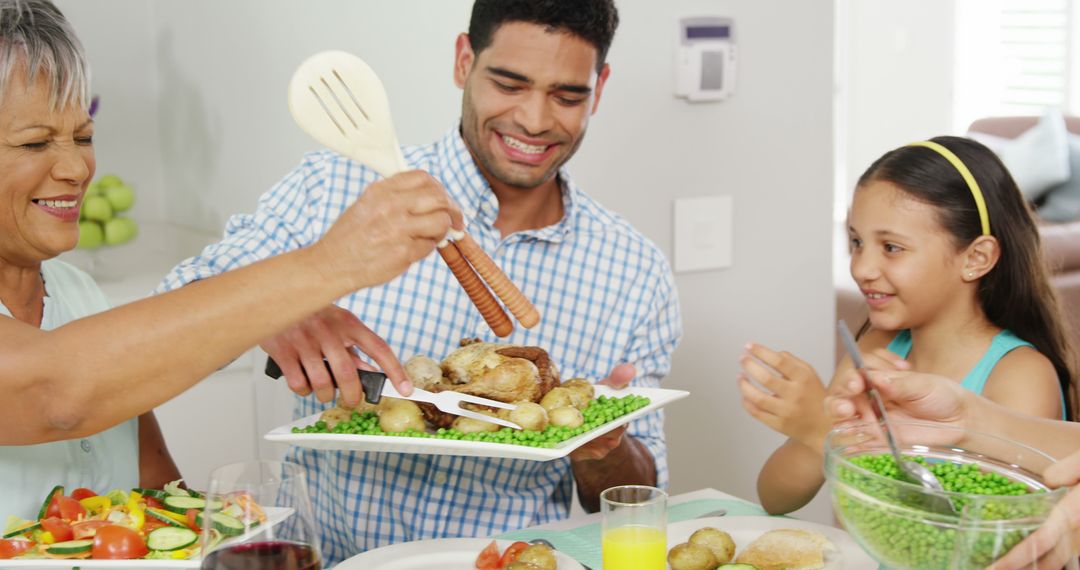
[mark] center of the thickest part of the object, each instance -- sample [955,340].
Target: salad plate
[274,515]
[658,397]
[744,530]
[442,553]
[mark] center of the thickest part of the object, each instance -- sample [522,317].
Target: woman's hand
[1058,539]
[397,221]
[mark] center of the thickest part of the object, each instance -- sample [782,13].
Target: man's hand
[600,447]
[331,334]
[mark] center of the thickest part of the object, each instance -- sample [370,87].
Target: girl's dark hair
[591,20]
[1015,294]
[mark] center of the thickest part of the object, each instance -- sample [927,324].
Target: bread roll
[787,548]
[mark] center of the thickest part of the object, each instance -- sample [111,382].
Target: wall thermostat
[705,66]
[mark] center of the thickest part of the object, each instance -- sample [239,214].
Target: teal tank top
[103,461]
[1003,342]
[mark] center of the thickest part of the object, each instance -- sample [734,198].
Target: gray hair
[35,37]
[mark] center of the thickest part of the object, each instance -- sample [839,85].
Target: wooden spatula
[336,98]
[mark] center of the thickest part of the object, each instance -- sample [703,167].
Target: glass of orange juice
[634,528]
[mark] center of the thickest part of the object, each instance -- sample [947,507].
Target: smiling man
[532,73]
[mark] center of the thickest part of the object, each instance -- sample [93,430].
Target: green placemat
[583,543]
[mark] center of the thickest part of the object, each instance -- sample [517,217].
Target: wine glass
[258,515]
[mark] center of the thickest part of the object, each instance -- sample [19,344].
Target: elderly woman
[79,381]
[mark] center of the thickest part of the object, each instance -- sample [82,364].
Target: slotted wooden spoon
[337,99]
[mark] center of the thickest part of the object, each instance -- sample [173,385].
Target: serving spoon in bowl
[914,472]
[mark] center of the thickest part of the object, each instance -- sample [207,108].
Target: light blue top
[1003,342]
[104,461]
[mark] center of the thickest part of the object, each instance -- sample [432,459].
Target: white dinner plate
[274,515]
[744,530]
[396,444]
[440,553]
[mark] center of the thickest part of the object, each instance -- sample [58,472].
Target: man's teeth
[58,203]
[523,147]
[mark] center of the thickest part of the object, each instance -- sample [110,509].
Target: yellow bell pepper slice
[46,537]
[138,517]
[176,517]
[97,504]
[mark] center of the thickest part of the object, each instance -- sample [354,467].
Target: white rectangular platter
[658,397]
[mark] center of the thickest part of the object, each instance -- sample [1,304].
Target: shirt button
[440,478]
[85,445]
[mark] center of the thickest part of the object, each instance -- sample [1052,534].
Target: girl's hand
[788,395]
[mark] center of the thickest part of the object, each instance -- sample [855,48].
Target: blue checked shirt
[605,294]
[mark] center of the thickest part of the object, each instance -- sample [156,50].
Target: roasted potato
[538,557]
[335,416]
[688,556]
[469,425]
[396,415]
[424,372]
[529,415]
[716,540]
[581,392]
[566,416]
[557,398]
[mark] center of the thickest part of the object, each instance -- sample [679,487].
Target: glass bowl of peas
[993,485]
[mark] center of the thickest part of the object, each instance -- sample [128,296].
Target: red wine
[272,555]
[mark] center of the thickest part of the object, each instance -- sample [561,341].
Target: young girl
[948,258]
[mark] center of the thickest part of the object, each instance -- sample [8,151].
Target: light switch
[703,233]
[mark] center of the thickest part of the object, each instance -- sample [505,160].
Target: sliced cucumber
[181,505]
[152,493]
[28,527]
[161,516]
[57,490]
[226,525]
[71,547]
[169,538]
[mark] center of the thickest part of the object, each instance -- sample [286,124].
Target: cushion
[1039,158]
[1062,201]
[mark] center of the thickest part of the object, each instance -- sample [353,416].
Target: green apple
[91,235]
[109,180]
[93,189]
[120,197]
[120,230]
[97,208]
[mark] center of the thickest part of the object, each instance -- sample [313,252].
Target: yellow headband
[966,174]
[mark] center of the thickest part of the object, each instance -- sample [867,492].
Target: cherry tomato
[512,553]
[82,493]
[87,529]
[10,548]
[60,529]
[115,542]
[488,558]
[69,508]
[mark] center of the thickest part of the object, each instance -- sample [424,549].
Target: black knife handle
[371,382]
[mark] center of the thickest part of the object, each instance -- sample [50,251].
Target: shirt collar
[472,193]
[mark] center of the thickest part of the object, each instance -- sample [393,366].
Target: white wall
[223,135]
[898,82]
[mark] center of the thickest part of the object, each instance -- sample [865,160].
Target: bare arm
[139,355]
[791,478]
[156,465]
[1037,394]
[628,463]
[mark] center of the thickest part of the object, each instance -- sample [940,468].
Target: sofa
[1061,244]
